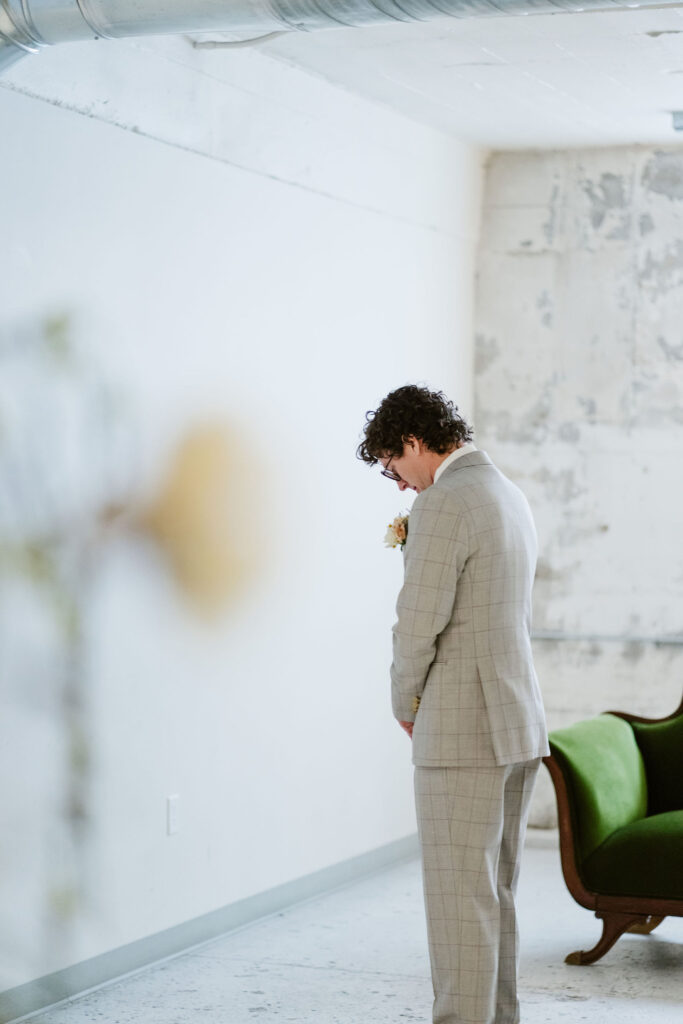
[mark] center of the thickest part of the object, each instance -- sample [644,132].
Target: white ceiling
[514,82]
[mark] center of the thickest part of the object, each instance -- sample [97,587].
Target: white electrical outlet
[172,825]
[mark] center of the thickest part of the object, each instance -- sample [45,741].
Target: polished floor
[359,956]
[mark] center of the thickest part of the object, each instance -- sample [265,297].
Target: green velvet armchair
[619,785]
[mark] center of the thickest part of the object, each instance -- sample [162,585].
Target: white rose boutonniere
[397,533]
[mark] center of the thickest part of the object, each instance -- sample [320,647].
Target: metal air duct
[28,25]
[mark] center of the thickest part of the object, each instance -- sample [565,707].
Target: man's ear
[412,441]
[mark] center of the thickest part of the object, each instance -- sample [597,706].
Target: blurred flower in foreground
[203,516]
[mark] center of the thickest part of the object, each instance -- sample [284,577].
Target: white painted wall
[579,378]
[233,238]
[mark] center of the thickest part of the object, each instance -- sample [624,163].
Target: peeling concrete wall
[578,398]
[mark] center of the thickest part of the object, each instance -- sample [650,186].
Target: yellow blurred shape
[206,516]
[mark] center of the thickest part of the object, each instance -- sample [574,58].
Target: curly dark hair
[412,411]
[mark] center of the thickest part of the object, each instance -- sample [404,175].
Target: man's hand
[408,726]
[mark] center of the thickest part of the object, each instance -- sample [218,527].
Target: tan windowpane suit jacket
[462,666]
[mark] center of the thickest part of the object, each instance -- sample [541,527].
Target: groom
[464,688]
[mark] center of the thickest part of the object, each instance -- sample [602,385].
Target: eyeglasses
[389,473]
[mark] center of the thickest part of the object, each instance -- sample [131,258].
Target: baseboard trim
[51,990]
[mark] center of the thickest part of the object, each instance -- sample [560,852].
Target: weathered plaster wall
[579,381]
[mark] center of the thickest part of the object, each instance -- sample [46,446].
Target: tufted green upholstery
[642,859]
[619,785]
[605,775]
[625,786]
[661,744]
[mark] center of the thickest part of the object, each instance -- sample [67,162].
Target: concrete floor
[359,956]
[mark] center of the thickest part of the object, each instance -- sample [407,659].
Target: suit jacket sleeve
[435,553]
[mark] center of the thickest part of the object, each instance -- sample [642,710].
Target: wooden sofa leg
[613,926]
[646,926]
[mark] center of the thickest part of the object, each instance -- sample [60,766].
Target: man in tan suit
[465,689]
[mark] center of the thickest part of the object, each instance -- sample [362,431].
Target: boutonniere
[397,533]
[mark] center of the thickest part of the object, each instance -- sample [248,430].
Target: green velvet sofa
[619,784]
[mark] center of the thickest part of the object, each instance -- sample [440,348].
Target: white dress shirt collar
[464,450]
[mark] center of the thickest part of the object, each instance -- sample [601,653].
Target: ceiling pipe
[28,25]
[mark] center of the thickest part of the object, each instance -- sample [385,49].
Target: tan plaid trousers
[471,825]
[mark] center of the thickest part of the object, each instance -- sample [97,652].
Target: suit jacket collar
[478,458]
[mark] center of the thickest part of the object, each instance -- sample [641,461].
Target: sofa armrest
[568,859]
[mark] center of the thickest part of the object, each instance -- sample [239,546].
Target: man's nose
[402,485]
